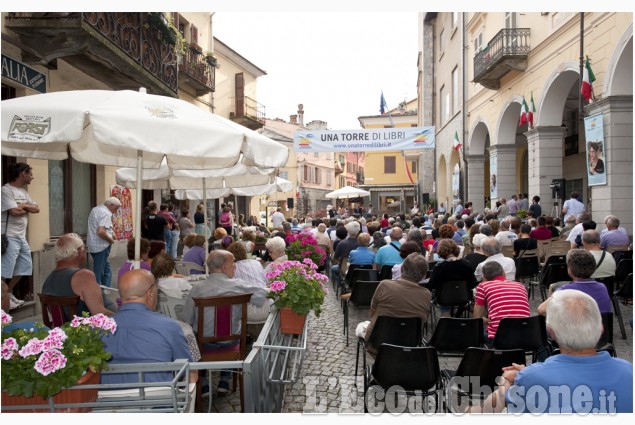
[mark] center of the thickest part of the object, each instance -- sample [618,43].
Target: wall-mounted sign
[23,74]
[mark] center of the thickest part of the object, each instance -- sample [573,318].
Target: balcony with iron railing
[248,112]
[197,70]
[506,52]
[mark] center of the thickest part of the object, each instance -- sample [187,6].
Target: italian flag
[523,113]
[457,145]
[586,90]
[531,111]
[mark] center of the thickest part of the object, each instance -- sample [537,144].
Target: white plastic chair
[170,306]
[185,267]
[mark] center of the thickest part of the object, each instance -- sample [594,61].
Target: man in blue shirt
[362,255]
[143,335]
[389,255]
[579,380]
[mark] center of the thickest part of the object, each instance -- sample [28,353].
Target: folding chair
[415,370]
[609,282]
[613,248]
[559,248]
[361,295]
[403,331]
[527,267]
[526,333]
[355,270]
[554,270]
[223,311]
[543,249]
[385,272]
[453,335]
[605,343]
[57,310]
[508,251]
[622,255]
[478,371]
[455,295]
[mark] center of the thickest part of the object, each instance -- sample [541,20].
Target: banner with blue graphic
[596,154]
[364,140]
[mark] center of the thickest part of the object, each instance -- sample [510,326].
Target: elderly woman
[219,234]
[129,264]
[378,241]
[250,271]
[248,239]
[277,251]
[163,269]
[476,257]
[196,254]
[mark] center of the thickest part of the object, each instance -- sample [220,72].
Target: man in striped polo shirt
[498,298]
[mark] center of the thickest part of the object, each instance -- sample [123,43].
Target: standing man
[99,238]
[572,206]
[16,205]
[155,223]
[167,231]
[277,218]
[535,207]
[512,204]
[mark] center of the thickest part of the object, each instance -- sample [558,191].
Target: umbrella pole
[137,219]
[206,224]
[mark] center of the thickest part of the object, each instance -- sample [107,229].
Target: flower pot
[65,396]
[291,322]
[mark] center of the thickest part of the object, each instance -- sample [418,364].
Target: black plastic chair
[619,255]
[453,335]
[552,272]
[609,282]
[385,272]
[484,364]
[352,271]
[361,296]
[358,273]
[527,267]
[415,370]
[527,333]
[403,331]
[455,295]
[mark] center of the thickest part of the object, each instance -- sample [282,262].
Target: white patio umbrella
[280,185]
[347,192]
[130,129]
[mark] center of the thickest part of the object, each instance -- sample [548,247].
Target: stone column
[544,145]
[475,180]
[505,170]
[616,197]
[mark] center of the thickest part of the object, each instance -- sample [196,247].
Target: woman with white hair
[477,257]
[277,251]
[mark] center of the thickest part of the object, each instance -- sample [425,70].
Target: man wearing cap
[99,238]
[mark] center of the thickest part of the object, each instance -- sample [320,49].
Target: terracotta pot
[63,397]
[291,322]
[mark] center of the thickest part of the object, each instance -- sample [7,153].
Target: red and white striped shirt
[502,298]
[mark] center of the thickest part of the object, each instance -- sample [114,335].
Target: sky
[335,64]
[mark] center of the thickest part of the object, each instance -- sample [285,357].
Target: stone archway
[504,149]
[442,183]
[478,170]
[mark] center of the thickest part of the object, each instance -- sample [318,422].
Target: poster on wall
[594,135]
[493,189]
[456,177]
[122,220]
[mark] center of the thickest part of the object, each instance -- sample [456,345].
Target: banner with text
[364,140]
[596,154]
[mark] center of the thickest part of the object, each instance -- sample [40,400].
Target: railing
[508,42]
[250,108]
[198,66]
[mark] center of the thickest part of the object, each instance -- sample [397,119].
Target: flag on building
[383,108]
[586,90]
[531,111]
[523,113]
[457,144]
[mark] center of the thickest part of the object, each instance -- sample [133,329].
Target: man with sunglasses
[16,207]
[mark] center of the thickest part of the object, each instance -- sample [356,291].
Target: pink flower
[277,286]
[33,347]
[6,319]
[49,362]
[9,347]
[57,333]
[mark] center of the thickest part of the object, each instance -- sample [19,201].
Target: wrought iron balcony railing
[507,51]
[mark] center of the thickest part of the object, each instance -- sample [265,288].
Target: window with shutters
[390,165]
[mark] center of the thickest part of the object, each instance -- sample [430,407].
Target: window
[390,165]
[284,175]
[478,42]
[306,173]
[445,105]
[455,19]
[441,43]
[329,178]
[413,166]
[193,34]
[71,189]
[455,90]
[510,20]
[318,175]
[342,181]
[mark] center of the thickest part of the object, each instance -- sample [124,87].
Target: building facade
[513,56]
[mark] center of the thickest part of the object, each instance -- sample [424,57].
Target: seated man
[343,249]
[221,281]
[400,298]
[492,249]
[362,255]
[69,279]
[143,335]
[604,262]
[580,380]
[580,266]
[613,236]
[388,255]
[497,298]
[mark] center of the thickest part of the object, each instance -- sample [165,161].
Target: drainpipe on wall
[211,49]
[464,112]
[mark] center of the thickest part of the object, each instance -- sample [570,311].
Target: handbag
[5,239]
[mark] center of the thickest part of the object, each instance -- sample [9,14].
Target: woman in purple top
[581,265]
[196,254]
[129,265]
